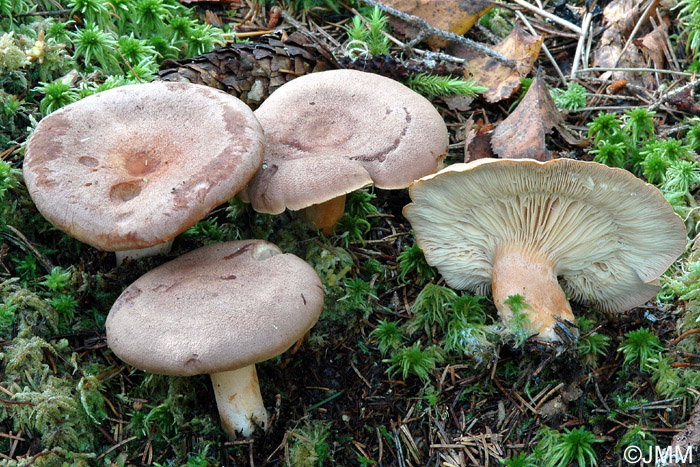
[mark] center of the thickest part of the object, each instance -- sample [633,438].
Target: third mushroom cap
[516,226]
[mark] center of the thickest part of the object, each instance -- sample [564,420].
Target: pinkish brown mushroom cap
[134,166]
[333,132]
[218,308]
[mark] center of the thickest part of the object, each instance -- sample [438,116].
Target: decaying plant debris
[400,370]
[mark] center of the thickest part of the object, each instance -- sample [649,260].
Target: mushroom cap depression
[334,132]
[134,166]
[609,234]
[218,308]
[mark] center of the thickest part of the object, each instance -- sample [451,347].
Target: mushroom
[516,226]
[132,167]
[342,130]
[218,310]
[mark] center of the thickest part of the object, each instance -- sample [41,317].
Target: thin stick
[682,336]
[668,45]
[249,34]
[544,46]
[423,25]
[642,18]
[42,13]
[633,70]
[587,18]
[669,95]
[548,15]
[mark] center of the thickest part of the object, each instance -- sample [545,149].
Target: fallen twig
[550,16]
[423,25]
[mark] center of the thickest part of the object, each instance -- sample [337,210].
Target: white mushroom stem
[324,216]
[238,397]
[517,271]
[160,249]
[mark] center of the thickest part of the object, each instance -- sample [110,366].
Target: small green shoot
[640,124]
[387,335]
[368,39]
[431,308]
[520,460]
[443,86]
[412,261]
[413,361]
[519,323]
[610,154]
[603,127]
[311,447]
[359,296]
[573,98]
[640,346]
[57,94]
[575,445]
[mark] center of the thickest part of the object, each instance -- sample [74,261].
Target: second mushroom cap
[334,132]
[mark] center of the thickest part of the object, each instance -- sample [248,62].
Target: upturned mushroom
[130,168]
[218,310]
[333,132]
[522,227]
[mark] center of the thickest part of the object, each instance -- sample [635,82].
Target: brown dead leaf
[620,17]
[685,102]
[654,44]
[477,144]
[623,14]
[213,19]
[522,134]
[501,80]
[457,16]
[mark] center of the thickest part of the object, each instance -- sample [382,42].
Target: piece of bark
[689,437]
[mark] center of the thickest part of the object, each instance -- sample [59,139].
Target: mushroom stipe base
[533,276]
[160,249]
[240,403]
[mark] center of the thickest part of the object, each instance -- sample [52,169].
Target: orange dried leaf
[522,134]
[477,143]
[501,80]
[457,16]
[653,43]
[620,17]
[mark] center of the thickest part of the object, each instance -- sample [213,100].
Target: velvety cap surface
[333,132]
[218,308]
[134,166]
[609,234]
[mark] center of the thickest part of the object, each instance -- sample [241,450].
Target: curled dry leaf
[620,17]
[501,80]
[685,102]
[654,44]
[522,134]
[457,16]
[477,144]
